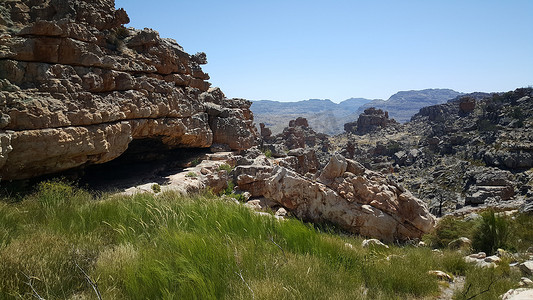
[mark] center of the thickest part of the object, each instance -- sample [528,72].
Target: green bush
[448,229]
[486,125]
[492,233]
[268,153]
[196,162]
[228,191]
[156,188]
[225,167]
[191,174]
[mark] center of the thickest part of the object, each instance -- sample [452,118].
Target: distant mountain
[403,105]
[323,115]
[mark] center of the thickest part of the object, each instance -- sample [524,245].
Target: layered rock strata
[76,87]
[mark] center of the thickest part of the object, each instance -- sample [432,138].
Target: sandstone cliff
[76,87]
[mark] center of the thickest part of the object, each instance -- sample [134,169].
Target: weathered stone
[299,122]
[441,275]
[77,83]
[335,168]
[301,160]
[370,120]
[276,150]
[527,267]
[460,243]
[265,131]
[467,104]
[493,258]
[367,205]
[252,178]
[518,294]
[480,255]
[524,281]
[374,243]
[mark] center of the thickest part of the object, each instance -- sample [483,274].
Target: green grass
[168,246]
[489,283]
[488,232]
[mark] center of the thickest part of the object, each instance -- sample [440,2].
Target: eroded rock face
[76,87]
[347,194]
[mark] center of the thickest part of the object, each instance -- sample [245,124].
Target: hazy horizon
[340,49]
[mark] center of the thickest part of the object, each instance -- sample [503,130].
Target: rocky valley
[328,117]
[118,109]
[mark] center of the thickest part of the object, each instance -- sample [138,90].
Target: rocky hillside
[77,87]
[323,115]
[473,151]
[403,105]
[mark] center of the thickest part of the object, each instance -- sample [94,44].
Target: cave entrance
[145,160]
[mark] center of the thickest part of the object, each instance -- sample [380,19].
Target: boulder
[335,168]
[460,243]
[301,160]
[299,122]
[374,243]
[527,267]
[276,150]
[467,105]
[368,204]
[524,281]
[518,294]
[441,275]
[252,178]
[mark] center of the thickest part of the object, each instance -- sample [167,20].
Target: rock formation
[298,136]
[370,120]
[475,150]
[346,194]
[76,87]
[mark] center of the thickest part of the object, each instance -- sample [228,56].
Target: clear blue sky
[338,49]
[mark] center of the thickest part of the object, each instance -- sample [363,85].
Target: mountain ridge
[329,117]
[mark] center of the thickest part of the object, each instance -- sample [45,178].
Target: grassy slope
[201,247]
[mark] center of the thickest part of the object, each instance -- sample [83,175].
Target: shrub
[156,188]
[228,191]
[225,167]
[195,162]
[268,153]
[486,125]
[191,174]
[491,234]
[448,229]
[521,229]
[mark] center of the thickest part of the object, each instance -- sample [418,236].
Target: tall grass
[197,247]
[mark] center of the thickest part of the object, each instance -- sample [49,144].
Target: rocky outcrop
[346,194]
[474,150]
[370,120]
[76,87]
[301,148]
[301,160]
